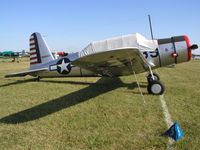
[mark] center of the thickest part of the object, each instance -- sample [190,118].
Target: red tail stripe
[33,48]
[34,62]
[33,58]
[32,44]
[33,53]
[32,39]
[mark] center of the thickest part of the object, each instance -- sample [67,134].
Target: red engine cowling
[175,50]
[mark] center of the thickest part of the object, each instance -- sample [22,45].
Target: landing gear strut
[155,77]
[38,78]
[155,86]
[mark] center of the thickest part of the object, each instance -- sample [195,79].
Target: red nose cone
[187,40]
[60,53]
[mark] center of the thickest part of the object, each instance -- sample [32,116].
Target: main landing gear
[155,86]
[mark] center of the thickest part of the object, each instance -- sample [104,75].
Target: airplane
[9,54]
[14,55]
[113,57]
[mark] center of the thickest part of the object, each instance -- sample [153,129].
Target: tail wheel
[156,87]
[150,78]
[38,78]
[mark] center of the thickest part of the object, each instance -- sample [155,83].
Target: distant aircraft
[9,54]
[59,54]
[118,56]
[14,55]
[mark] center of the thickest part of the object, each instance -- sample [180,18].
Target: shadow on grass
[18,82]
[51,81]
[103,85]
[68,82]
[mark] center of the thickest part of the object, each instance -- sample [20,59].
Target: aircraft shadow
[35,80]
[101,86]
[104,82]
[18,82]
[68,82]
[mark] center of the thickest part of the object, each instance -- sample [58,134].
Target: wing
[114,63]
[24,73]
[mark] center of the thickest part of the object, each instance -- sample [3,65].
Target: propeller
[194,46]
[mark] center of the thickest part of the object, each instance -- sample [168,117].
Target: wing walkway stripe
[168,120]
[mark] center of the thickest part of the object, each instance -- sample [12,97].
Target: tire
[156,77]
[156,87]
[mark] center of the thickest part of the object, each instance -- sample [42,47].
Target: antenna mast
[150,27]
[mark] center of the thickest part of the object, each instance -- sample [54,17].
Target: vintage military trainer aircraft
[118,56]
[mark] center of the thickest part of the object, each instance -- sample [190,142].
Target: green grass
[95,113]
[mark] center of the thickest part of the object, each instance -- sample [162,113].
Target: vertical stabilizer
[39,51]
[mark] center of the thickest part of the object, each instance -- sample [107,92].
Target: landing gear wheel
[155,87]
[150,78]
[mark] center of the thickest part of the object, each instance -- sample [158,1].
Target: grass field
[96,113]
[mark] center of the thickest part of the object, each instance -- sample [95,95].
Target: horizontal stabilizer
[24,73]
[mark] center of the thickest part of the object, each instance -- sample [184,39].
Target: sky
[70,25]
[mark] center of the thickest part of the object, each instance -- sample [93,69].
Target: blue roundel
[64,66]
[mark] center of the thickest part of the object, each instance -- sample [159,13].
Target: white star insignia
[63,66]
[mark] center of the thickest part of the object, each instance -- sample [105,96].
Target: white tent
[136,41]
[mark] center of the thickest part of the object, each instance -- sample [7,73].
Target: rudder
[39,51]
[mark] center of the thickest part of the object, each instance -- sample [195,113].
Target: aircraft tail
[39,51]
